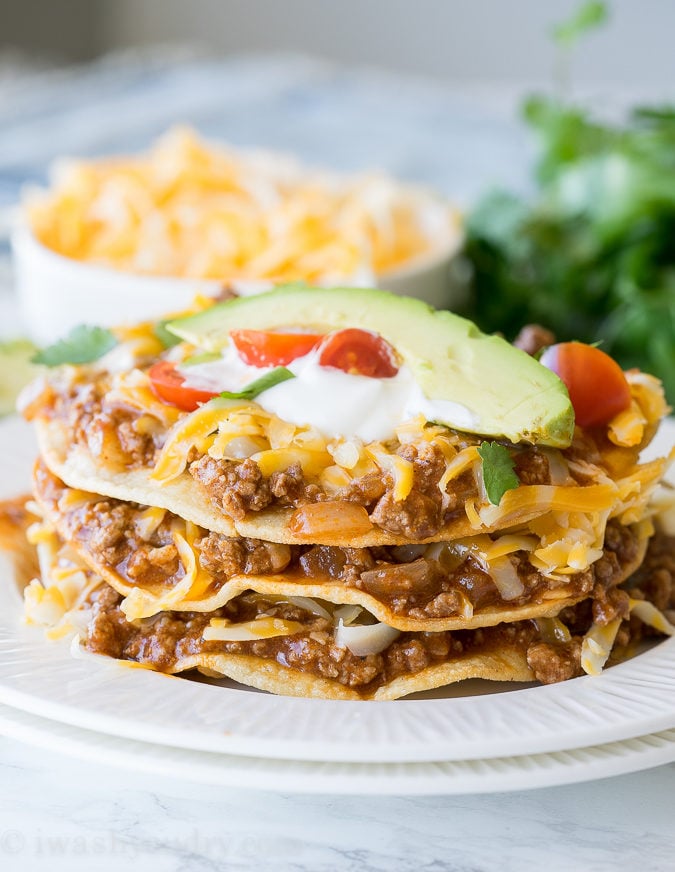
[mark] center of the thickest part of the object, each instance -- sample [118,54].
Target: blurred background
[581,232]
[427,90]
[460,41]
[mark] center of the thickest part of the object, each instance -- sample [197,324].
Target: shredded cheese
[191,431]
[145,602]
[191,209]
[649,614]
[400,469]
[597,646]
[221,630]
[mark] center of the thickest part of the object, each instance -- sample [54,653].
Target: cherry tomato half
[266,348]
[358,352]
[597,386]
[167,384]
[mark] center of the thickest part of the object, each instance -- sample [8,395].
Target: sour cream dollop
[334,402]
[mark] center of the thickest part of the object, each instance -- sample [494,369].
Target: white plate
[633,699]
[299,776]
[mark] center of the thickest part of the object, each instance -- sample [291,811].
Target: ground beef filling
[114,533]
[654,581]
[167,639]
[116,536]
[119,436]
[122,437]
[239,487]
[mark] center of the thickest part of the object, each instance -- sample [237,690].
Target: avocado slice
[481,384]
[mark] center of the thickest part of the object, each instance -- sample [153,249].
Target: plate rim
[430,778]
[408,730]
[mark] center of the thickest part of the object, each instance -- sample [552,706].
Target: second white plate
[298,776]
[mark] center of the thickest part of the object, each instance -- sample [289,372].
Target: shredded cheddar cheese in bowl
[194,210]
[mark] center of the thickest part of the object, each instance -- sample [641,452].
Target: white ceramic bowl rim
[23,236]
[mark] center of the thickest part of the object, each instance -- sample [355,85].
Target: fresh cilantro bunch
[592,255]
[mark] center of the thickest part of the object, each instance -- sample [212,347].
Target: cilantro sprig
[588,252]
[83,344]
[498,471]
[265,382]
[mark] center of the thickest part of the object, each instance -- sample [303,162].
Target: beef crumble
[163,641]
[239,487]
[122,437]
[166,639]
[111,432]
[554,663]
[402,579]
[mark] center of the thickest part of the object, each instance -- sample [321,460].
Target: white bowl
[56,293]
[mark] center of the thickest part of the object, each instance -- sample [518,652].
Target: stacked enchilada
[341,494]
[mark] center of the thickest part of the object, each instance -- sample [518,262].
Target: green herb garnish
[205,357]
[269,380]
[590,253]
[82,345]
[498,471]
[167,339]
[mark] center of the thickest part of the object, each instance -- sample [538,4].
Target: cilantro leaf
[498,471]
[83,344]
[269,380]
[205,357]
[167,339]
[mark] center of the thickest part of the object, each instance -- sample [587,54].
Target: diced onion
[346,454]
[557,467]
[506,579]
[364,640]
[44,606]
[309,605]
[334,519]
[347,614]
[552,630]
[242,447]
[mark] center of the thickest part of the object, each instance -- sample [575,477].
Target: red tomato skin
[266,348]
[166,384]
[596,384]
[358,352]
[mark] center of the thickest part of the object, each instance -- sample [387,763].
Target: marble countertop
[59,813]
